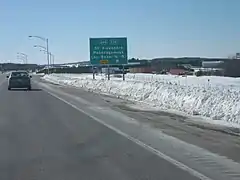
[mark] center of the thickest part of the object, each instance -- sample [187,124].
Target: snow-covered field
[217,98]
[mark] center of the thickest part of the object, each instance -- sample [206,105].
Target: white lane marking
[140,143]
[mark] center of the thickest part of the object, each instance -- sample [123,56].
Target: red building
[177,71]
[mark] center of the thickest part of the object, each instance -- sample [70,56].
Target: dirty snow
[217,98]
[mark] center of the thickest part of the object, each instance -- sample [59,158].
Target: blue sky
[154,28]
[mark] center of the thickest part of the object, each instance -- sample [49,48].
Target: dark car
[19,79]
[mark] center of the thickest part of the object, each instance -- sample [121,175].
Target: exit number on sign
[103,61]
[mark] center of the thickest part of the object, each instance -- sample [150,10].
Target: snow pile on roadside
[37,74]
[217,98]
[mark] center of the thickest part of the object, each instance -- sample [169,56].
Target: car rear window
[19,74]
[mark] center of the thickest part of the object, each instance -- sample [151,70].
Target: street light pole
[47,54]
[47,48]
[51,56]
[25,56]
[42,47]
[53,59]
[21,58]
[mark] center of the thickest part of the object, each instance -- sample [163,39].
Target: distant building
[176,71]
[212,64]
[140,69]
[112,70]
[231,68]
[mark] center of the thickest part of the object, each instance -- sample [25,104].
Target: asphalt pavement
[44,138]
[66,133]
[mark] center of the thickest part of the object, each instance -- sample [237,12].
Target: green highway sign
[111,51]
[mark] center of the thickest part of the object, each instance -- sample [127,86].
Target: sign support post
[108,71]
[123,69]
[93,72]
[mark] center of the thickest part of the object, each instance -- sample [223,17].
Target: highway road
[52,133]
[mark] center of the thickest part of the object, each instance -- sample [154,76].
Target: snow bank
[217,98]
[38,74]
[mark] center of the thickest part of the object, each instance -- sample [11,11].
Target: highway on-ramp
[44,137]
